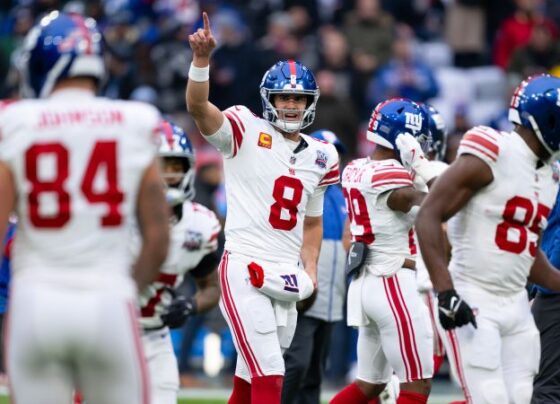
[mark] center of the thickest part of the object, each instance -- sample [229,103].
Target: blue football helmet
[289,77]
[536,105]
[176,144]
[395,116]
[329,137]
[60,46]
[438,131]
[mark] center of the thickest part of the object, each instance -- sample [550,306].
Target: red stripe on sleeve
[476,148]
[237,134]
[482,142]
[391,175]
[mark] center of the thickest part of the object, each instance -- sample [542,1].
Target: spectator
[369,31]
[515,31]
[234,81]
[335,111]
[540,55]
[403,76]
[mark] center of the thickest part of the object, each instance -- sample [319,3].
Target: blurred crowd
[461,55]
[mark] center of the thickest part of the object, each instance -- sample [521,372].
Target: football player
[492,193]
[194,240]
[275,179]
[394,329]
[78,170]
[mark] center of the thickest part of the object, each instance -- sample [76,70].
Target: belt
[409,264]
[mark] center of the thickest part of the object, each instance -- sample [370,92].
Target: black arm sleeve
[206,265]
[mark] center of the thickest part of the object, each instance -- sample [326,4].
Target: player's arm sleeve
[314,206]
[229,138]
[482,142]
[332,176]
[388,178]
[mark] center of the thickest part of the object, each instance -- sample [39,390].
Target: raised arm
[207,116]
[153,219]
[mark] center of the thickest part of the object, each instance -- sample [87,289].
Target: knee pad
[522,393]
[492,392]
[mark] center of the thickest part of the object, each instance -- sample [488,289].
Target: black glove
[453,311]
[178,311]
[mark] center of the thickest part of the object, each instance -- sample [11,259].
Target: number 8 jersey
[77,162]
[494,237]
[269,181]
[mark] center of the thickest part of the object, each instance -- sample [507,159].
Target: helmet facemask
[273,114]
[180,183]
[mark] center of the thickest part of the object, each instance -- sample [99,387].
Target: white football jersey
[494,237]
[268,185]
[192,238]
[77,163]
[388,234]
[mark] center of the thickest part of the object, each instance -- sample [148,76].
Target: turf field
[441,395]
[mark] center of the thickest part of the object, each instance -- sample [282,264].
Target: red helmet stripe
[168,132]
[86,35]
[293,75]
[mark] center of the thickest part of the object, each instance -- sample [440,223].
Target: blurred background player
[545,306]
[275,180]
[194,240]
[493,193]
[394,331]
[436,154]
[77,169]
[5,275]
[306,357]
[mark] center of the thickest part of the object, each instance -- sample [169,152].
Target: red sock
[241,393]
[409,397]
[266,389]
[77,397]
[350,394]
[438,361]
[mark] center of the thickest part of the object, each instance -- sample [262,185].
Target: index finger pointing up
[206,22]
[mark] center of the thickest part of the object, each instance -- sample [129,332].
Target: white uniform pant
[496,362]
[261,330]
[62,338]
[398,336]
[162,364]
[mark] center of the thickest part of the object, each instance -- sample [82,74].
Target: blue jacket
[334,213]
[550,243]
[5,268]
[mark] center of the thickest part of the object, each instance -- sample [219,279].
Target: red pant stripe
[236,324]
[411,325]
[456,357]
[145,380]
[399,330]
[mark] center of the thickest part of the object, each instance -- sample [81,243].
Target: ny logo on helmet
[413,121]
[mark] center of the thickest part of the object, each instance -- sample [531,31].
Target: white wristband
[199,74]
